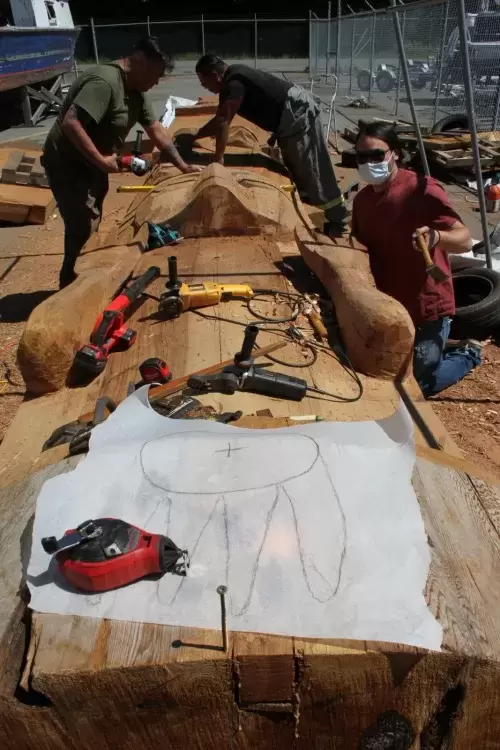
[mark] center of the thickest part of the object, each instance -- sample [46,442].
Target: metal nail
[222,591]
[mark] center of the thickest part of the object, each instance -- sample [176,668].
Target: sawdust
[470,411]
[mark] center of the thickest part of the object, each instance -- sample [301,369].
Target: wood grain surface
[192,342]
[89,684]
[25,204]
[121,682]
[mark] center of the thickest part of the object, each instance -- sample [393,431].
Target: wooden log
[148,681]
[136,683]
[33,423]
[377,330]
[31,727]
[64,322]
[25,204]
[17,507]
[219,202]
[191,343]
[242,132]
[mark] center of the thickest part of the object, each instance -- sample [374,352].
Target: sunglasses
[372,155]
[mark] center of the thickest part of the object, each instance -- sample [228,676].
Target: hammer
[432,270]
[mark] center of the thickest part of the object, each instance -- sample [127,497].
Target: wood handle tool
[433,271]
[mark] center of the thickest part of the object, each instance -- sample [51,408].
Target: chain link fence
[255,40]
[361,50]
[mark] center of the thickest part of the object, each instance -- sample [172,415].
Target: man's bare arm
[208,130]
[163,141]
[225,114]
[73,128]
[456,239]
[218,126]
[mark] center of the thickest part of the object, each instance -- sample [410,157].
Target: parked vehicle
[386,76]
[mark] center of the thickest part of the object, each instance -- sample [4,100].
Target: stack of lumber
[23,203]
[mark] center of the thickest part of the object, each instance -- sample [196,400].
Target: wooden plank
[465,550]
[38,176]
[23,168]
[20,204]
[11,166]
[162,666]
[453,461]
[465,556]
[463,157]
[17,508]
[27,149]
[33,423]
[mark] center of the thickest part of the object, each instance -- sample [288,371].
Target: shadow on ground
[16,308]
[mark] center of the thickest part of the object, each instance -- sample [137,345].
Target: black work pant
[79,193]
[304,148]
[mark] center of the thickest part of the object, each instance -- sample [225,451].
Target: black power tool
[243,375]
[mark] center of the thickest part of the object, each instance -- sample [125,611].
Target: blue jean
[437,366]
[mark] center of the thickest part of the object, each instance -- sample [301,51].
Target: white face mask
[375,173]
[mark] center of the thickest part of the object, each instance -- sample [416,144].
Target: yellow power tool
[180,297]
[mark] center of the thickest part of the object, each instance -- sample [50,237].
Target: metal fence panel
[484,53]
[357,52]
[369,66]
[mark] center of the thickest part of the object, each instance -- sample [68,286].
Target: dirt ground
[470,411]
[30,258]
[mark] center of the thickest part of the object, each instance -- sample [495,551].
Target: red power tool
[109,330]
[135,163]
[107,553]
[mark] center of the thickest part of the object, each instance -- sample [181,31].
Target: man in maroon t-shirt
[388,214]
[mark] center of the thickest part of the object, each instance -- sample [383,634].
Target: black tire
[477,298]
[385,81]
[419,83]
[364,80]
[452,122]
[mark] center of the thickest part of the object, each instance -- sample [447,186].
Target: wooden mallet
[433,271]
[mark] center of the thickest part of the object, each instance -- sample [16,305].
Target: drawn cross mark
[229,449]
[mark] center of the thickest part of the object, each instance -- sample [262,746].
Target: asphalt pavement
[183,83]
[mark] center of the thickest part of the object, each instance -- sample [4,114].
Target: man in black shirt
[292,116]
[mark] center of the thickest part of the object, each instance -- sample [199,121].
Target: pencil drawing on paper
[218,493]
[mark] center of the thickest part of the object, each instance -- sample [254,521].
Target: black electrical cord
[342,399]
[265,318]
[314,348]
[308,363]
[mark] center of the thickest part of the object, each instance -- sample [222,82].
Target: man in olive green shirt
[82,147]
